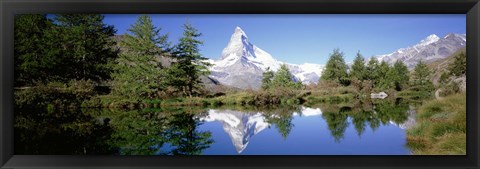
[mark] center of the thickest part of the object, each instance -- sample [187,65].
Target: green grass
[337,98]
[440,128]
[414,95]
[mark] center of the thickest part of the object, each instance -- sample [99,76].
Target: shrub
[450,89]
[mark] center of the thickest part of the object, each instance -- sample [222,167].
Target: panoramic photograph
[198,84]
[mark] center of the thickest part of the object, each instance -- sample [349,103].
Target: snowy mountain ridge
[428,50]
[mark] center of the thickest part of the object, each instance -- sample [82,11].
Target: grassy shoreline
[440,128]
[244,98]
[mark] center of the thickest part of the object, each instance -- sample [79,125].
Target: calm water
[317,130]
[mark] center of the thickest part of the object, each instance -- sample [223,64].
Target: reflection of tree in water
[381,113]
[61,132]
[168,131]
[363,115]
[337,122]
[392,111]
[137,132]
[282,118]
[183,135]
[149,131]
[103,131]
[359,119]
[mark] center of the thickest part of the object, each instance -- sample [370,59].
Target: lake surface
[371,129]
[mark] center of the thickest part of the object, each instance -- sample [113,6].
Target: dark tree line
[68,48]
[62,48]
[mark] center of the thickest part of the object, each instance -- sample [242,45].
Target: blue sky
[306,38]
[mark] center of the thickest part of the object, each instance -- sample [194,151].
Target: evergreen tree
[267,79]
[190,61]
[396,77]
[88,45]
[383,79]
[421,77]
[444,78]
[145,38]
[383,68]
[459,65]
[34,55]
[284,79]
[401,82]
[175,77]
[336,69]
[371,70]
[138,71]
[359,70]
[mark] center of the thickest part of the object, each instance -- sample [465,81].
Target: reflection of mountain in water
[241,126]
[409,122]
[306,112]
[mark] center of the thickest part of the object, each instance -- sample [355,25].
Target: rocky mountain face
[242,64]
[430,49]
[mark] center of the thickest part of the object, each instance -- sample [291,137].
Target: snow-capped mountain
[242,64]
[428,50]
[240,126]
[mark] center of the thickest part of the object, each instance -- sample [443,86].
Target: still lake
[369,129]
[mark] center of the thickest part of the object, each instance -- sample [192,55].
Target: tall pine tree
[138,69]
[284,79]
[383,80]
[336,68]
[396,77]
[34,55]
[267,79]
[89,45]
[421,77]
[459,65]
[190,61]
[371,70]
[359,70]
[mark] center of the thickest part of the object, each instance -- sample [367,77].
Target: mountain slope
[242,64]
[440,66]
[430,49]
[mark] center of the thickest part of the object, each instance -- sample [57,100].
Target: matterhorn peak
[239,35]
[235,46]
[239,31]
[242,63]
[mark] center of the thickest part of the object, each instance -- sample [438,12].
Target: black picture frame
[8,8]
